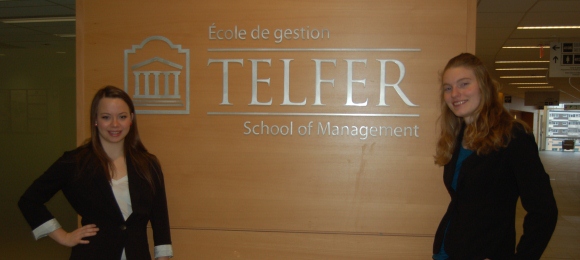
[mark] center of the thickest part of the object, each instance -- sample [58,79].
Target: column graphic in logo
[158,85]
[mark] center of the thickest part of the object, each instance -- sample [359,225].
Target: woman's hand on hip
[76,237]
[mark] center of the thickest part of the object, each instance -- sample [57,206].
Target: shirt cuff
[45,229]
[163,250]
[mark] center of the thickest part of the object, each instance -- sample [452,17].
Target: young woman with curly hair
[490,161]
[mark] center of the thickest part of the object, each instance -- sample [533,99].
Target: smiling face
[461,92]
[113,120]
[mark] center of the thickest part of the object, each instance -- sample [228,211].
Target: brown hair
[134,150]
[492,124]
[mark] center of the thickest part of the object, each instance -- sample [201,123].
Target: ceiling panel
[498,20]
[35,11]
[36,35]
[501,14]
[551,18]
[496,27]
[557,6]
[504,6]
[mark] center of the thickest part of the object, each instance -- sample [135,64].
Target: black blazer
[480,218]
[92,197]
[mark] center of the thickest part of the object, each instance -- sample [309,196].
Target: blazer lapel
[134,187]
[449,170]
[111,206]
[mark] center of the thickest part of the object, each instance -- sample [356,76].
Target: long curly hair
[492,124]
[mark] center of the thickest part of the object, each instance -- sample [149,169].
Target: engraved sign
[285,129]
[158,85]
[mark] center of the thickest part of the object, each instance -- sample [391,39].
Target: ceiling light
[523,69]
[528,83]
[521,77]
[523,47]
[548,27]
[537,87]
[40,20]
[522,61]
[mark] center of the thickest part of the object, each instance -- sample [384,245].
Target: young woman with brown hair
[112,182]
[490,161]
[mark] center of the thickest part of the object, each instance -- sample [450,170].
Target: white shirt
[121,192]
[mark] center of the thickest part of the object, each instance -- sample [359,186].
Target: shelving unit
[563,125]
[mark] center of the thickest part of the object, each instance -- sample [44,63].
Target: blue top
[463,154]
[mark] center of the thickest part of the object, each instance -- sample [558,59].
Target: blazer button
[123,227]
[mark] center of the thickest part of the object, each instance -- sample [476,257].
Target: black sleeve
[536,196]
[160,214]
[32,202]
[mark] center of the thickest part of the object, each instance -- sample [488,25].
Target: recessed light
[522,61]
[40,20]
[537,87]
[522,77]
[548,27]
[523,47]
[522,69]
[528,83]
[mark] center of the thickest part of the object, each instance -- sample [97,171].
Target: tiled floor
[564,171]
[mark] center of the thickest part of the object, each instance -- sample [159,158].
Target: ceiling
[23,36]
[497,21]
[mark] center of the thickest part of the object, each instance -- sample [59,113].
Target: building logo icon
[158,85]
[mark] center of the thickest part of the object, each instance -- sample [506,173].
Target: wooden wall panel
[233,244]
[307,195]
